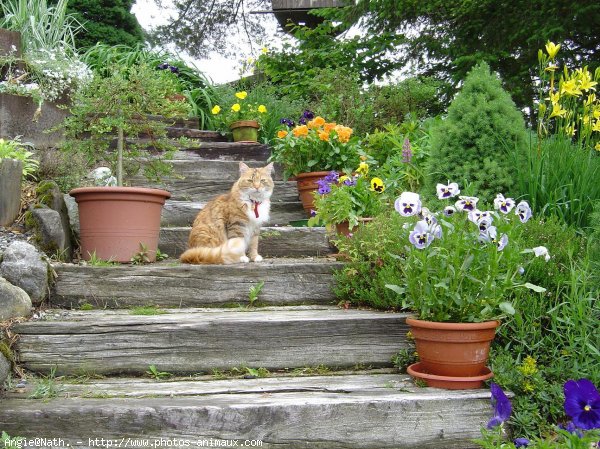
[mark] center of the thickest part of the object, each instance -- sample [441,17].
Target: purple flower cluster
[287,122]
[167,66]
[326,182]
[306,116]
[406,152]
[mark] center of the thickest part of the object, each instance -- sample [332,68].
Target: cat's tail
[232,251]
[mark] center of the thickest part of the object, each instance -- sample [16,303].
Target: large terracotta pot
[307,184]
[245,131]
[116,221]
[453,349]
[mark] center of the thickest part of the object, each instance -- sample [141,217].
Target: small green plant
[404,358]
[146,310]
[46,387]
[254,292]
[160,255]
[15,149]
[95,261]
[319,370]
[9,442]
[238,371]
[86,306]
[156,374]
[142,256]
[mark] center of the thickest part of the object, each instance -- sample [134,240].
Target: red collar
[256,204]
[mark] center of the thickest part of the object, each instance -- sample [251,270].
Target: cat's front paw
[244,259]
[257,258]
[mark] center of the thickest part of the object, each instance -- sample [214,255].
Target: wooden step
[206,169]
[182,213]
[232,151]
[380,411]
[282,241]
[176,132]
[189,341]
[171,284]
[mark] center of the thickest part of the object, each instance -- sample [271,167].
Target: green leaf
[396,288]
[507,308]
[535,288]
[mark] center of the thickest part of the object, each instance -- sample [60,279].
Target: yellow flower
[363,168]
[327,127]
[551,68]
[216,109]
[264,50]
[557,111]
[597,147]
[528,367]
[570,130]
[241,95]
[343,133]
[587,84]
[377,185]
[236,107]
[317,122]
[552,49]
[570,88]
[596,126]
[300,131]
[596,112]
[324,136]
[262,109]
[589,100]
[282,133]
[343,178]
[554,97]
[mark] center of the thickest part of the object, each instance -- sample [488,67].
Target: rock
[102,177]
[49,195]
[14,301]
[73,212]
[5,369]
[22,266]
[49,232]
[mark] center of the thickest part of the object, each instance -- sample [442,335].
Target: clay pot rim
[413,370]
[415,322]
[116,190]
[244,123]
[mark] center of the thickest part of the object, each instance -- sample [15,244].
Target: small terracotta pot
[116,221]
[307,184]
[344,227]
[453,349]
[245,131]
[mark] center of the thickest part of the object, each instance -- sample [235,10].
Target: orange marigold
[301,131]
[319,121]
[324,136]
[282,133]
[327,127]
[343,133]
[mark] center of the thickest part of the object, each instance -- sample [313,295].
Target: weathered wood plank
[287,281]
[200,341]
[383,418]
[188,164]
[274,241]
[10,190]
[182,213]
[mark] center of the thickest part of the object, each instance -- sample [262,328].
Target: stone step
[376,411]
[182,213]
[274,241]
[194,188]
[188,341]
[171,284]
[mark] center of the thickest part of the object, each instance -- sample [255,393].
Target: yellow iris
[241,95]
[216,109]
[377,185]
[282,133]
[552,49]
[557,111]
[236,107]
[570,87]
[262,109]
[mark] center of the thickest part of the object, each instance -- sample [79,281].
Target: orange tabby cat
[229,225]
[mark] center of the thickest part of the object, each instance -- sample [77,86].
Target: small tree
[471,144]
[120,104]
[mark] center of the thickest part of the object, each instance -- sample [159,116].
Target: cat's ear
[243,168]
[269,168]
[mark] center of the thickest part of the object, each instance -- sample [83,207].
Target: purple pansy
[324,187]
[449,210]
[313,213]
[287,122]
[408,204]
[332,177]
[502,406]
[420,235]
[504,205]
[466,203]
[484,223]
[523,211]
[449,191]
[521,442]
[350,182]
[582,404]
[571,428]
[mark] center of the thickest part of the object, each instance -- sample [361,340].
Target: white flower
[448,191]
[540,251]
[408,204]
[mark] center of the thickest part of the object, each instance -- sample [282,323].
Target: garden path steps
[331,383]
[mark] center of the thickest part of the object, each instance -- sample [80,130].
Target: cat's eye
[263,181]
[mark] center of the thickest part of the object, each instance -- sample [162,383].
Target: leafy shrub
[470,143]
[15,149]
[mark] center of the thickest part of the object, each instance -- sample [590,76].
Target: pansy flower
[484,223]
[449,211]
[502,406]
[476,215]
[363,168]
[491,235]
[420,235]
[332,177]
[541,251]
[521,442]
[377,185]
[582,404]
[448,191]
[467,203]
[523,211]
[504,205]
[408,204]
[324,187]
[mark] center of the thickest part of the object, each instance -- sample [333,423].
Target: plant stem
[120,144]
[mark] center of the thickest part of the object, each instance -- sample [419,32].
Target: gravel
[12,234]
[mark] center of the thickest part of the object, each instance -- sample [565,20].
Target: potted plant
[460,267]
[16,162]
[117,222]
[311,149]
[243,118]
[347,200]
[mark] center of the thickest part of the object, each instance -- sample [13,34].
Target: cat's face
[256,183]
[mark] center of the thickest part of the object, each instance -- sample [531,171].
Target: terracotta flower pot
[452,349]
[245,131]
[307,184]
[344,227]
[116,221]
